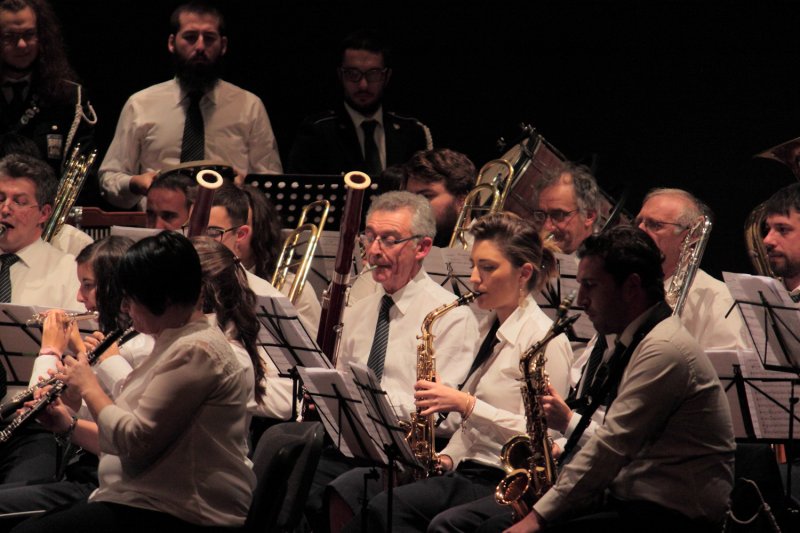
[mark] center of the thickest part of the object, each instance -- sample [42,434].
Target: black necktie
[595,359]
[6,260]
[377,354]
[17,103]
[484,352]
[193,145]
[371,155]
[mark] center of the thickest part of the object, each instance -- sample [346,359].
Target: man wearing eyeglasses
[32,272]
[196,116]
[567,204]
[667,215]
[381,329]
[359,135]
[39,97]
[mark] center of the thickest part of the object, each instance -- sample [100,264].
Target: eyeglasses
[387,243]
[372,75]
[15,203]
[556,215]
[212,232]
[656,225]
[12,38]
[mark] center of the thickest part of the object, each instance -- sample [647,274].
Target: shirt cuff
[41,365]
[572,424]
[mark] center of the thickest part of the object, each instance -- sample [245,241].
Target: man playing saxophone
[381,329]
[664,453]
[509,264]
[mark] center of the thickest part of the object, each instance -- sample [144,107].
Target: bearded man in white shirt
[151,131]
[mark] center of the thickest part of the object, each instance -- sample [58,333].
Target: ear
[423,248]
[171,43]
[591,217]
[242,233]
[44,213]
[525,273]
[632,287]
[224,42]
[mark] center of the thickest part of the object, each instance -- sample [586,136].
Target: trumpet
[39,318]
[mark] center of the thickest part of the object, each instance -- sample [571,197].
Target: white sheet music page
[283,336]
[768,401]
[748,291]
[342,412]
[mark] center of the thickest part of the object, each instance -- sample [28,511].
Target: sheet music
[723,361]
[747,290]
[561,287]
[324,261]
[768,401]
[283,336]
[381,413]
[442,264]
[134,233]
[342,412]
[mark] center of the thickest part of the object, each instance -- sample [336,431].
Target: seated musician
[400,228]
[98,291]
[509,264]
[667,215]
[32,272]
[782,240]
[664,452]
[169,201]
[190,388]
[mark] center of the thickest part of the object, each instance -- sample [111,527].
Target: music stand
[285,340]
[772,320]
[290,192]
[550,298]
[449,266]
[20,343]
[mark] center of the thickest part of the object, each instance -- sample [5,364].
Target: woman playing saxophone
[509,263]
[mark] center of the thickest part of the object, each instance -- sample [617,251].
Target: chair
[284,462]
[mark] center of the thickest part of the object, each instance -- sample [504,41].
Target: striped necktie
[377,354]
[193,144]
[5,276]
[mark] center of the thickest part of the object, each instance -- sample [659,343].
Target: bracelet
[64,439]
[50,350]
[470,407]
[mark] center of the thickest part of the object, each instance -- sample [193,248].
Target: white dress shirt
[456,338]
[150,131]
[499,413]
[154,440]
[71,240]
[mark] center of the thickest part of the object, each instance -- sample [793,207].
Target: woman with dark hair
[510,263]
[261,253]
[227,295]
[172,444]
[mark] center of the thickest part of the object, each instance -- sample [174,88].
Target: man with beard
[444,177]
[360,134]
[782,240]
[192,117]
[40,99]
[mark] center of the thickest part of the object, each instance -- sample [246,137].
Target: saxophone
[528,459]
[421,431]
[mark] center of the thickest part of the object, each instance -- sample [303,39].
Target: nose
[474,278]
[80,298]
[581,299]
[548,225]
[362,83]
[769,239]
[161,224]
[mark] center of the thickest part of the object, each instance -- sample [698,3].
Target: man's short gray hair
[693,209]
[587,193]
[423,221]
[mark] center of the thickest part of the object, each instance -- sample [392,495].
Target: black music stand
[554,293]
[20,343]
[449,266]
[285,340]
[290,192]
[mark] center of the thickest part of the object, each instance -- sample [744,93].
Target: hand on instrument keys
[530,524]
[555,409]
[434,397]
[96,338]
[78,374]
[444,463]
[56,331]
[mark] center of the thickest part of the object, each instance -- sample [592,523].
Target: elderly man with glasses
[360,134]
[667,215]
[381,329]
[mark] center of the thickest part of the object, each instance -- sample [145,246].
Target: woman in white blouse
[509,264]
[172,444]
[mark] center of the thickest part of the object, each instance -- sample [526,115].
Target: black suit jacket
[328,144]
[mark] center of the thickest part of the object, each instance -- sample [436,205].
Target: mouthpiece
[3,229]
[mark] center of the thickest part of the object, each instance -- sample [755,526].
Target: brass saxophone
[421,432]
[528,459]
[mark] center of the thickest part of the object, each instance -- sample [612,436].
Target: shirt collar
[404,297]
[210,95]
[29,254]
[511,329]
[358,118]
[627,336]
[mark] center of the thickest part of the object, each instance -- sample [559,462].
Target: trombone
[305,236]
[488,195]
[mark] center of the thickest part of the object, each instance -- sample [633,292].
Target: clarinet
[58,386]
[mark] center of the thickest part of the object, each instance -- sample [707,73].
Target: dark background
[651,93]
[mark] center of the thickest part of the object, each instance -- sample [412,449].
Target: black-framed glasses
[372,75]
[656,225]
[386,243]
[217,233]
[15,203]
[11,38]
[556,215]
